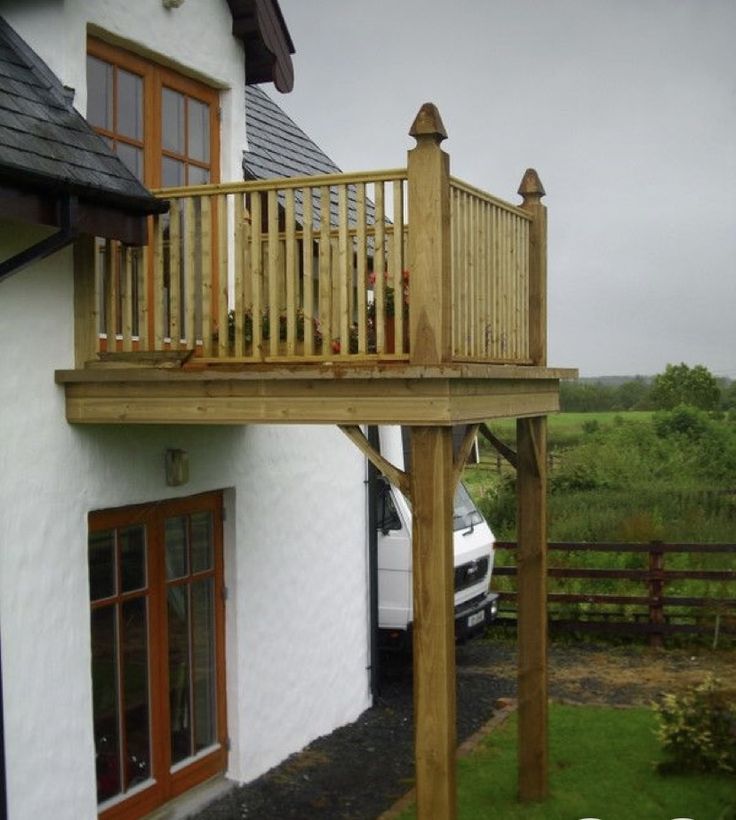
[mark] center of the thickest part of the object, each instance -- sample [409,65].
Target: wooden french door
[158,661]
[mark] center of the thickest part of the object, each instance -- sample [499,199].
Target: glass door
[157,630]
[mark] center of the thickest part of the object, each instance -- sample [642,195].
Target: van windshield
[464,513]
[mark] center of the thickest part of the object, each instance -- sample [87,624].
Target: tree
[679,384]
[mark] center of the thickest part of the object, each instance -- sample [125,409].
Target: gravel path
[359,771]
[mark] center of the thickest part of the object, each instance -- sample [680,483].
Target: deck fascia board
[409,396]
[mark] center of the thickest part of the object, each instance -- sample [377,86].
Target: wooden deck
[401,296]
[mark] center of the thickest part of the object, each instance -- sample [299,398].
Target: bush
[697,728]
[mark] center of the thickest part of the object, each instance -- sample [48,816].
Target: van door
[394,560]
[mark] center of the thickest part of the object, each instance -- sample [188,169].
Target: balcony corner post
[430,308]
[85,304]
[531,190]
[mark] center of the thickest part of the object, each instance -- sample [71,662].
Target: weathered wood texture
[432,492]
[531,438]
[388,266]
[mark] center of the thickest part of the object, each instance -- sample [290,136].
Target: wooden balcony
[392,296]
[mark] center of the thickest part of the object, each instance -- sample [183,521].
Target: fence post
[656,586]
[532,191]
[430,307]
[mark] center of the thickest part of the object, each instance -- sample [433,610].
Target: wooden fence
[660,608]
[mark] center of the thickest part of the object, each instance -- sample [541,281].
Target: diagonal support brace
[471,431]
[499,446]
[396,476]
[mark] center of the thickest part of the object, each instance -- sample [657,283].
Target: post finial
[428,123]
[531,189]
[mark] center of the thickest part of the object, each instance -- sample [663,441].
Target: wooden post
[430,291]
[655,583]
[531,440]
[532,191]
[432,493]
[86,309]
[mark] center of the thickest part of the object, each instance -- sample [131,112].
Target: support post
[433,629]
[532,191]
[86,311]
[430,296]
[531,439]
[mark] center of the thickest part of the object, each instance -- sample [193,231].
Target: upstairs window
[163,126]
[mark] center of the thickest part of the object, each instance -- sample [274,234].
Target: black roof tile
[277,147]
[45,142]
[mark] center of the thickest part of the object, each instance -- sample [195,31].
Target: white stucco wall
[295,560]
[196,39]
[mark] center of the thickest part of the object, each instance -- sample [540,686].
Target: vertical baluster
[398,255]
[241,276]
[256,250]
[307,270]
[344,268]
[189,296]
[361,268]
[379,270]
[158,282]
[127,297]
[174,273]
[325,287]
[223,322]
[208,306]
[273,272]
[292,285]
[111,293]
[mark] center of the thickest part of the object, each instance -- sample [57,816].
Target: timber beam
[182,396]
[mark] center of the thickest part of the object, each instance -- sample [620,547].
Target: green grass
[602,765]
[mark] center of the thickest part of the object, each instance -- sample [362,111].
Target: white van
[473,543]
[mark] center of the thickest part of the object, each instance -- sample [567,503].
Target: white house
[157,628]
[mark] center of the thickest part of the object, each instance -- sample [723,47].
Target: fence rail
[653,613]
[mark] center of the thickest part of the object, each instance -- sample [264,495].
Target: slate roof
[277,147]
[46,143]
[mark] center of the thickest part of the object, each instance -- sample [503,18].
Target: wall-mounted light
[177,467]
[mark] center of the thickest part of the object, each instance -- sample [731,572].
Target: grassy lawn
[601,766]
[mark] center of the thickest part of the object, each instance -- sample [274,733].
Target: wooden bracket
[471,431]
[499,446]
[538,464]
[396,476]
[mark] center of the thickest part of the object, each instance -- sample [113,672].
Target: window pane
[99,93]
[177,563]
[101,558]
[135,687]
[132,157]
[199,130]
[198,176]
[172,120]
[172,173]
[179,673]
[201,524]
[130,105]
[105,702]
[203,663]
[133,558]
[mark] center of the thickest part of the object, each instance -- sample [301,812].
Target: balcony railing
[318,268]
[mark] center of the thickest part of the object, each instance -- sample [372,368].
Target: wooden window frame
[166,784]
[155,78]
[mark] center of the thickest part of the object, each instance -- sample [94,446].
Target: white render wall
[195,39]
[295,559]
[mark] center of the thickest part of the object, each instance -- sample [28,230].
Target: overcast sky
[626,108]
